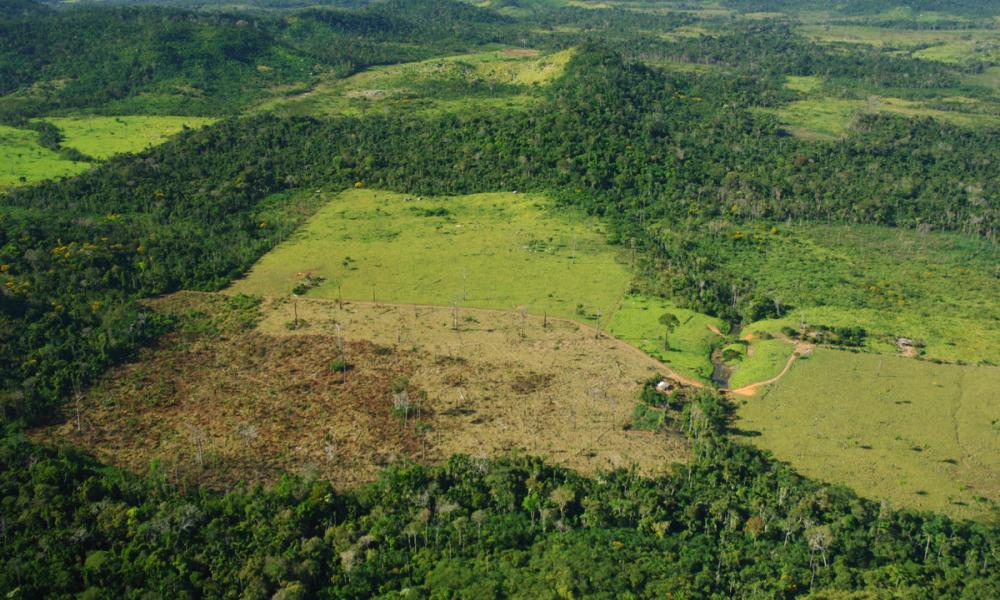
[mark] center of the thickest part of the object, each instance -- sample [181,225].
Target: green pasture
[826,118]
[762,360]
[103,137]
[637,321]
[940,288]
[912,433]
[497,250]
[23,161]
[495,80]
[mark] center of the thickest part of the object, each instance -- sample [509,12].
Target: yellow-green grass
[912,433]
[882,36]
[23,161]
[410,86]
[805,84]
[989,78]
[937,287]
[637,322]
[497,250]
[103,137]
[763,360]
[828,118]
[960,51]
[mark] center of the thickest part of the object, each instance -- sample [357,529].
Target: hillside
[499,299]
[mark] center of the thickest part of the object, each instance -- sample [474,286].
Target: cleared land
[938,288]
[912,433]
[503,79]
[826,117]
[24,161]
[103,137]
[226,399]
[500,250]
[637,322]
[761,360]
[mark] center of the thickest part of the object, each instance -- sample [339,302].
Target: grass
[502,79]
[804,84]
[103,137]
[23,161]
[917,435]
[691,343]
[937,287]
[825,117]
[498,250]
[764,359]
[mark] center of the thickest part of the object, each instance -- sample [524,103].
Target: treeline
[772,48]
[165,60]
[730,523]
[974,8]
[661,159]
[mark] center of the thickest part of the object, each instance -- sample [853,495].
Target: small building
[664,386]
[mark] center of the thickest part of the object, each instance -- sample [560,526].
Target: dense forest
[732,523]
[670,160]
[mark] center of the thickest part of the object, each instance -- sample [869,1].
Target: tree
[669,322]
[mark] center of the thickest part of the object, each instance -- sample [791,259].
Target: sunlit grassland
[940,288]
[103,137]
[637,322]
[825,117]
[915,434]
[497,250]
[763,359]
[501,79]
[24,161]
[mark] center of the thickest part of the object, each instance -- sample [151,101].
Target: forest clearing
[223,401]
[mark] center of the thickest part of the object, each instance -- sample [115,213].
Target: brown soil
[249,404]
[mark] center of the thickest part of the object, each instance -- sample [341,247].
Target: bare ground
[249,404]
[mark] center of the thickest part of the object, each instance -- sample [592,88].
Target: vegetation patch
[103,137]
[502,250]
[939,288]
[686,347]
[23,160]
[914,434]
[763,359]
[485,80]
[825,117]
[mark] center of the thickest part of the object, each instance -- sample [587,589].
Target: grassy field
[103,137]
[762,360]
[825,117]
[23,161]
[937,287]
[903,39]
[502,79]
[915,434]
[637,322]
[499,250]
[235,395]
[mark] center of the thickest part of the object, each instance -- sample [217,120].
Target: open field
[883,37]
[637,322]
[761,360]
[936,287]
[915,434]
[502,79]
[500,250]
[224,400]
[23,160]
[103,137]
[824,117]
